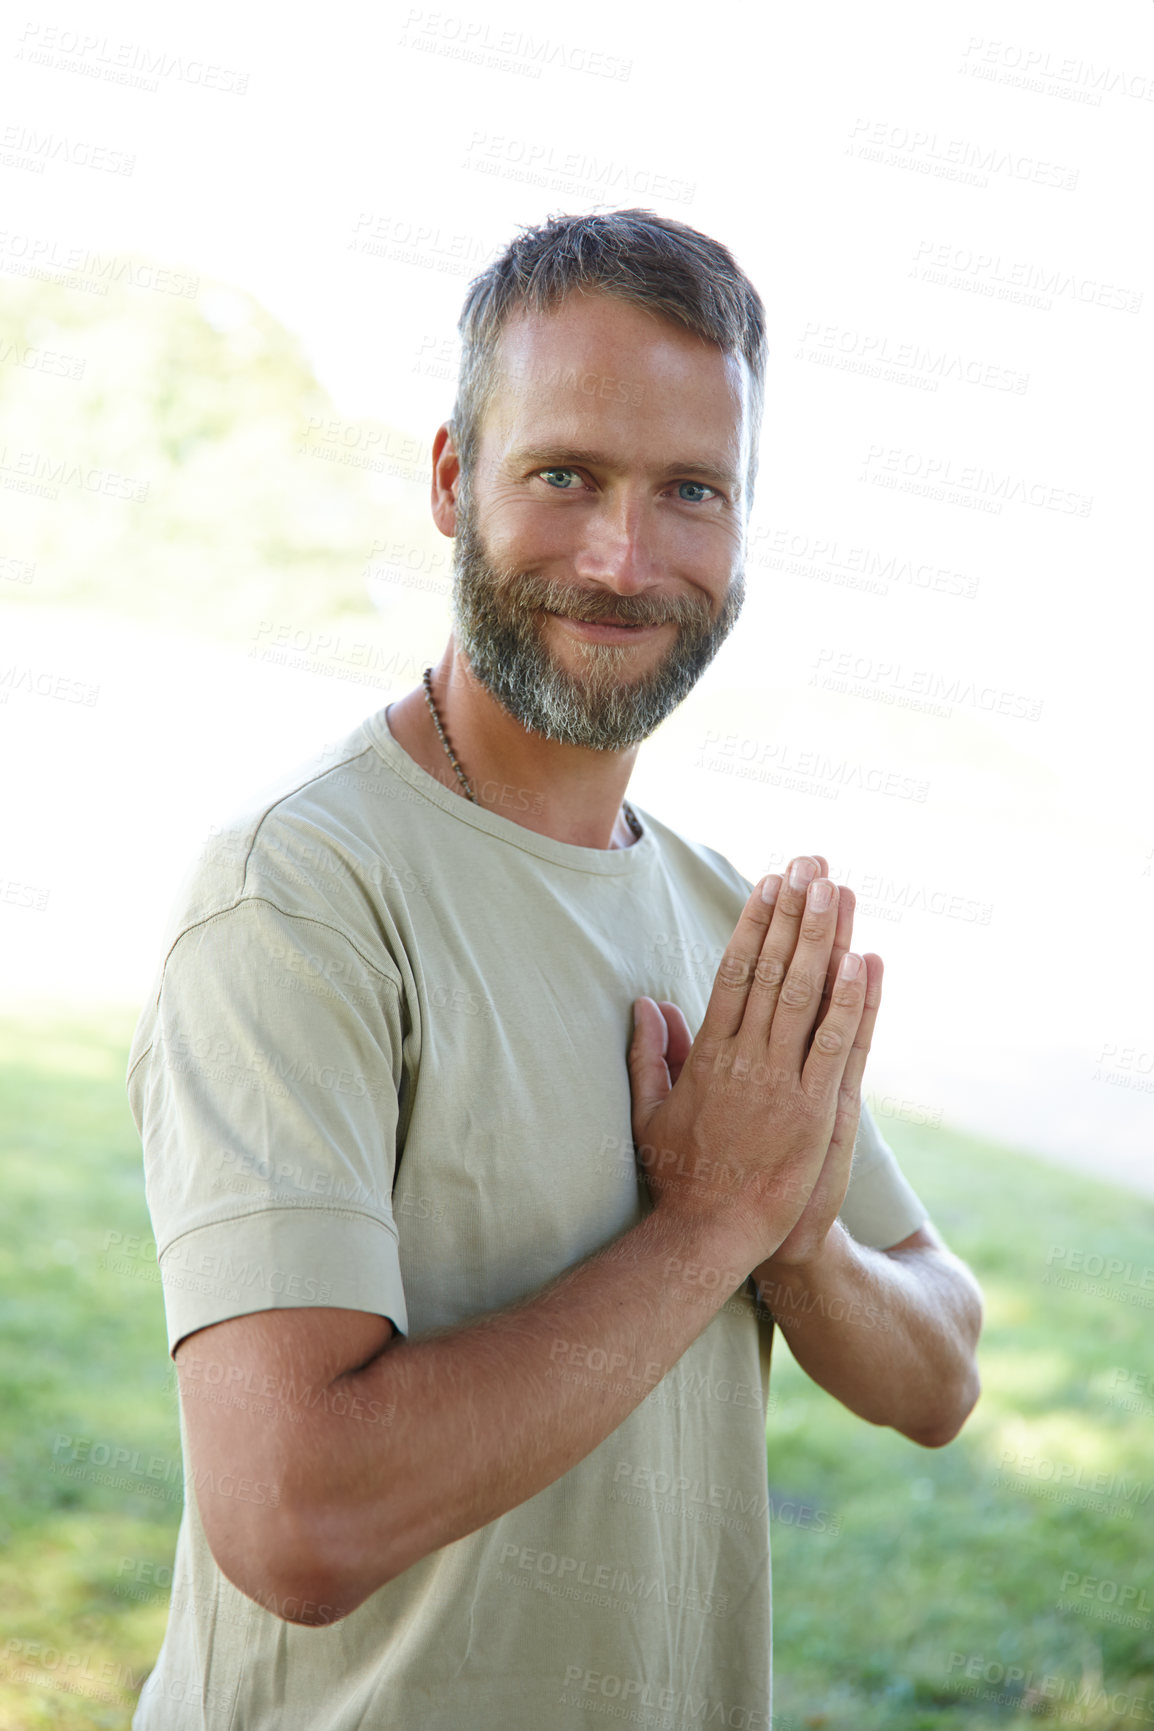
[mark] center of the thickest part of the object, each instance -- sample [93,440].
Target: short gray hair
[651,261]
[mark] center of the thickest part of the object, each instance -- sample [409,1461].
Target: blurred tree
[176,460]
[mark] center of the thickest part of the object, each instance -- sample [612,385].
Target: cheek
[522,536]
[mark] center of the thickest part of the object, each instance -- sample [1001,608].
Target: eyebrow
[562,456]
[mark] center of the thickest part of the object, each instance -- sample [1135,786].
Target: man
[464,1194]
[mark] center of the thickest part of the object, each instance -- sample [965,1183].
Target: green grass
[934,1559]
[931,1559]
[82,1355]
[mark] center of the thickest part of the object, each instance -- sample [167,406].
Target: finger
[680,1038]
[823,1074]
[856,1063]
[823,871]
[842,940]
[839,1157]
[822,864]
[726,1004]
[791,969]
[649,1079]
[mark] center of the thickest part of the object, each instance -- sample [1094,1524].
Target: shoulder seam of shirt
[291,794]
[296,1209]
[307,782]
[230,909]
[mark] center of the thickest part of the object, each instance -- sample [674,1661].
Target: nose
[618,546]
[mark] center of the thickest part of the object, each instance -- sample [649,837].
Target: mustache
[524,593]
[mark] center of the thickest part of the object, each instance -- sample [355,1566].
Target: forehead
[629,365]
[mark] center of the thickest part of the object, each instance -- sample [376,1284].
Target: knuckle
[847,993]
[733,972]
[813,929]
[797,992]
[829,1039]
[770,971]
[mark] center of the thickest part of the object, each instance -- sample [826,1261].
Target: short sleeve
[881,1207]
[267,1103]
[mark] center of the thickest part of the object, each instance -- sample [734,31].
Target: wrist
[718,1245]
[820,1266]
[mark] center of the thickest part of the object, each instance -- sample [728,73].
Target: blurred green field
[925,1577]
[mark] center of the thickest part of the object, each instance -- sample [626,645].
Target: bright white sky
[890,178]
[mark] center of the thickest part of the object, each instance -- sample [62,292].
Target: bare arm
[889,1333]
[376,1464]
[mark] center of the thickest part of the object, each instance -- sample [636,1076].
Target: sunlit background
[242,277]
[233,250]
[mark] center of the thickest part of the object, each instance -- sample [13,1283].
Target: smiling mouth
[617,624]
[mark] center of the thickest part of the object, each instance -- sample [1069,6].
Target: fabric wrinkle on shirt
[384,1068]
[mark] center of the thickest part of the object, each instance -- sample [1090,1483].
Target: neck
[564,791]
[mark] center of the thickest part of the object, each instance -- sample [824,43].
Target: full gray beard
[498,626]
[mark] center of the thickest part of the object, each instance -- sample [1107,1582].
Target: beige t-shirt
[384,1068]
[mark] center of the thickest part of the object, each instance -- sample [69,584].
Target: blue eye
[700,488]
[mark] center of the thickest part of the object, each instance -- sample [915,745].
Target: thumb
[648,1071]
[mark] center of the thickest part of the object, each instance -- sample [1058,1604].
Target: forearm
[892,1339]
[484,1416]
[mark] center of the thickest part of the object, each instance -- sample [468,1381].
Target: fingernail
[820,894]
[801,871]
[770,888]
[850,966]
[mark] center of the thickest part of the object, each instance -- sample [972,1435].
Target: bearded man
[475,1211]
